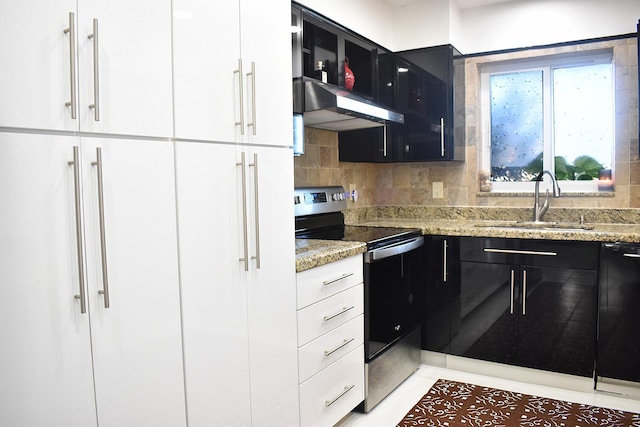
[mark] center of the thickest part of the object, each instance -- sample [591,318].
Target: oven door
[394,294]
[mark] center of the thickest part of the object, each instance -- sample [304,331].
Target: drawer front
[542,253]
[330,395]
[329,279]
[330,347]
[328,314]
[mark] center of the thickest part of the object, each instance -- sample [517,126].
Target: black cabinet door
[557,319]
[528,303]
[488,321]
[434,140]
[375,145]
[619,324]
[442,280]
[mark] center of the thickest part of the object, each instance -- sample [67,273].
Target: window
[548,113]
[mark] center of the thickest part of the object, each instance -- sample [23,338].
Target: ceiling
[463,4]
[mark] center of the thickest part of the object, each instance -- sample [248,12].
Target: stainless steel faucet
[539,211]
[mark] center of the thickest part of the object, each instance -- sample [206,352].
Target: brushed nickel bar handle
[253,97]
[631,255]
[344,276]
[384,140]
[241,92]
[524,292]
[444,263]
[103,245]
[518,252]
[96,72]
[343,311]
[257,210]
[242,164]
[442,136]
[342,344]
[72,64]
[79,245]
[346,390]
[513,281]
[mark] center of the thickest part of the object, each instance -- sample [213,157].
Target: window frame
[546,64]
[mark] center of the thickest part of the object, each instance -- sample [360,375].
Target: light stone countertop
[314,253]
[596,232]
[603,225]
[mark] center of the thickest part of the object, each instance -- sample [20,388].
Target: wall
[505,25]
[411,183]
[540,22]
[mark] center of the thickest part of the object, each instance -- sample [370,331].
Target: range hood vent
[333,108]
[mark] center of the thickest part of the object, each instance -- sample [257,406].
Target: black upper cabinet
[326,47]
[378,144]
[436,137]
[420,85]
[421,98]
[416,83]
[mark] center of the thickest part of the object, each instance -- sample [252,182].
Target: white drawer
[328,314]
[322,282]
[330,395]
[327,349]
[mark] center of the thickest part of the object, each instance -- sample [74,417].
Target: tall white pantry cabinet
[234,173]
[132,289]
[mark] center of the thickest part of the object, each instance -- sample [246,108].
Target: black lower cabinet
[527,303]
[442,297]
[619,328]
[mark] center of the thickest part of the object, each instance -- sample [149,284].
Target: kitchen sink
[537,225]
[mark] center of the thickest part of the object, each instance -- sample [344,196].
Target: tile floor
[393,408]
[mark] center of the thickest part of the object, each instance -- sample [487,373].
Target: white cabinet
[238,293]
[232,68]
[108,366]
[49,60]
[331,341]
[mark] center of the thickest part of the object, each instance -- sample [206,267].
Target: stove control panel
[315,200]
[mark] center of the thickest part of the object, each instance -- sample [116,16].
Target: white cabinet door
[35,74]
[266,38]
[45,362]
[206,49]
[239,318]
[48,61]
[271,287]
[55,354]
[134,67]
[232,69]
[137,339]
[213,284]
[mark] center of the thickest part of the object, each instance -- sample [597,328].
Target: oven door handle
[393,250]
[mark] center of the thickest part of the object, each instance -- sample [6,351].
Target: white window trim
[529,64]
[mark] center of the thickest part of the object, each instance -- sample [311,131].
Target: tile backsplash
[403,184]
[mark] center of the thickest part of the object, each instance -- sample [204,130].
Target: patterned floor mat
[455,404]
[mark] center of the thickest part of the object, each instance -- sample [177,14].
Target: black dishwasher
[618,367]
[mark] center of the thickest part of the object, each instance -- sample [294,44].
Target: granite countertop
[594,232]
[601,225]
[314,253]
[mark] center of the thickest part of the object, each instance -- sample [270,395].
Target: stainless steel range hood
[333,108]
